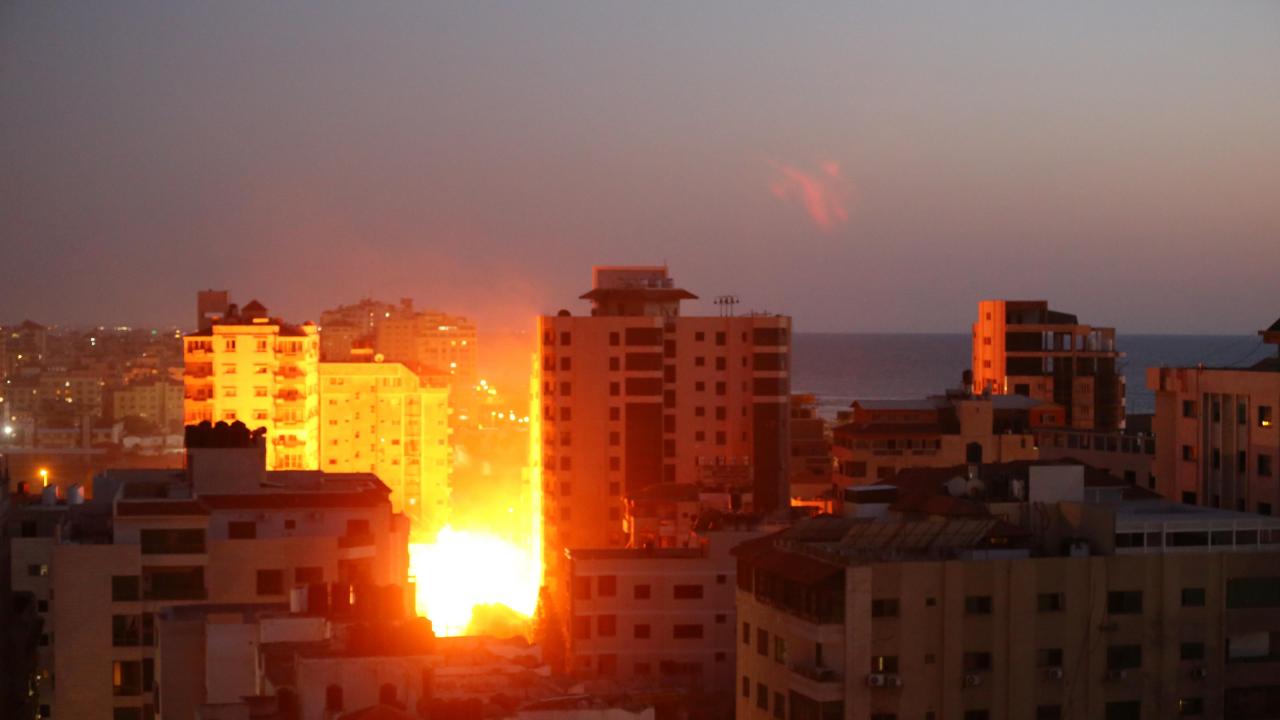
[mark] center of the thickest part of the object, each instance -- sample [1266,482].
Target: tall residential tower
[635,394]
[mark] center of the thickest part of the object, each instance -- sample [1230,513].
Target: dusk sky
[860,166]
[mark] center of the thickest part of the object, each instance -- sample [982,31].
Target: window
[1188,409]
[640,592]
[1191,650]
[1192,597]
[1123,710]
[884,663]
[270,582]
[607,585]
[125,713]
[976,715]
[125,588]
[126,677]
[640,632]
[1190,706]
[606,625]
[1264,416]
[1188,453]
[762,642]
[746,686]
[1253,593]
[779,706]
[124,631]
[614,339]
[977,605]
[1124,657]
[686,632]
[581,627]
[1264,465]
[1126,602]
[779,650]
[687,592]
[1049,658]
[333,698]
[884,608]
[762,690]
[977,662]
[242,530]
[1050,602]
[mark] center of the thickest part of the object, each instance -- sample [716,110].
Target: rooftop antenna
[726,303]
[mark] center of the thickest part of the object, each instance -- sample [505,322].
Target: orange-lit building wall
[379,418]
[262,376]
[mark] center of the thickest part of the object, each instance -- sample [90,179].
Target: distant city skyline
[861,167]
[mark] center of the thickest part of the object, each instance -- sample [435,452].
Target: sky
[861,166]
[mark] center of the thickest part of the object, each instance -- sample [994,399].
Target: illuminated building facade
[635,394]
[1021,347]
[380,418]
[1218,432]
[261,371]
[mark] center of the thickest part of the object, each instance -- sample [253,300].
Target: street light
[44,477]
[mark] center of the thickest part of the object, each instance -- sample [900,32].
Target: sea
[841,368]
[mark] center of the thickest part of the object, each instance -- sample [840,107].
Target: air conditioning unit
[1053,673]
[972,680]
[876,680]
[1117,674]
[1200,673]
[893,681]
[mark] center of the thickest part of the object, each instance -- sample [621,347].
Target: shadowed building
[1219,433]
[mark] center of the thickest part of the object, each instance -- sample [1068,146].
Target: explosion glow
[464,569]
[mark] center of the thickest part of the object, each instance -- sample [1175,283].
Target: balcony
[356,540]
[817,673]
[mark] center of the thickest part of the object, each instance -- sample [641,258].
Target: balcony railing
[816,673]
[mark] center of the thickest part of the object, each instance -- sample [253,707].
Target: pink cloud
[823,193]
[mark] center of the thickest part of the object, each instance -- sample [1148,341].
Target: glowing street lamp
[44,477]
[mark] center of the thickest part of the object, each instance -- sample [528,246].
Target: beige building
[1219,433]
[1062,601]
[380,418]
[157,400]
[656,620]
[250,367]
[1021,347]
[635,394]
[223,531]
[882,437]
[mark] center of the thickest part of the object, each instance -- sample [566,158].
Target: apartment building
[380,418]
[812,462]
[157,400]
[635,394]
[1021,347]
[250,367]
[224,530]
[1219,431]
[882,437]
[656,620]
[1128,454]
[1048,599]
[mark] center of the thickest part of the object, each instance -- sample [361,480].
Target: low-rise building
[1053,599]
[221,530]
[657,620]
[882,437]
